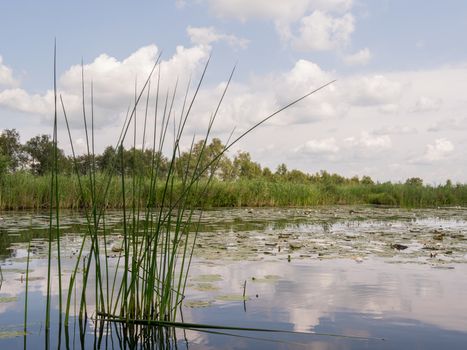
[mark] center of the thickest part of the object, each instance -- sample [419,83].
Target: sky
[398,107]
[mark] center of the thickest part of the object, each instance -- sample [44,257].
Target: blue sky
[397,109]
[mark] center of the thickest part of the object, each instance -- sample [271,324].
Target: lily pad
[117,248]
[8,299]
[15,270]
[441,267]
[295,245]
[11,334]
[232,297]
[207,278]
[31,278]
[194,304]
[205,287]
[266,279]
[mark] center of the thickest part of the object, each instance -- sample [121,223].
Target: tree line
[36,157]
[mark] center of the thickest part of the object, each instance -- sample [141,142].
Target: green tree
[193,161]
[337,179]
[3,165]
[206,160]
[135,162]
[267,173]
[297,176]
[40,153]
[11,149]
[84,163]
[281,170]
[219,163]
[366,180]
[226,169]
[414,181]
[245,167]
[107,160]
[354,180]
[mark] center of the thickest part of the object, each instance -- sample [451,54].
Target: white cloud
[371,142]
[266,9]
[350,150]
[80,145]
[113,82]
[288,11]
[438,151]
[426,104]
[20,100]
[322,24]
[381,142]
[338,6]
[6,76]
[245,103]
[389,108]
[324,146]
[450,124]
[320,31]
[395,130]
[374,90]
[208,35]
[306,75]
[361,57]
[251,101]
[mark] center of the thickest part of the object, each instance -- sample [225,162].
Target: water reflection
[406,297]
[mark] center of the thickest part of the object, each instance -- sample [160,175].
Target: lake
[317,278]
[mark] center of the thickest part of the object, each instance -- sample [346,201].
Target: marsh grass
[25,191]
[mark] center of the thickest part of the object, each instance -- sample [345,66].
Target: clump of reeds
[147,284]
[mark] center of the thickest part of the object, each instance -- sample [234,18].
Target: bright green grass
[25,191]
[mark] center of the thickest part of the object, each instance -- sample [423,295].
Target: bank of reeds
[23,190]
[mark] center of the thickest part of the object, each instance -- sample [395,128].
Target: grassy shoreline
[23,190]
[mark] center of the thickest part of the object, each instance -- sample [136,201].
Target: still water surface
[337,277]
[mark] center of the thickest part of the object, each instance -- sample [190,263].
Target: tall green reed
[148,281]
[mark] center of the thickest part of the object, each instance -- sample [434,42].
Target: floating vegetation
[232,297]
[207,278]
[11,334]
[195,304]
[443,267]
[15,270]
[266,279]
[8,299]
[31,278]
[205,287]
